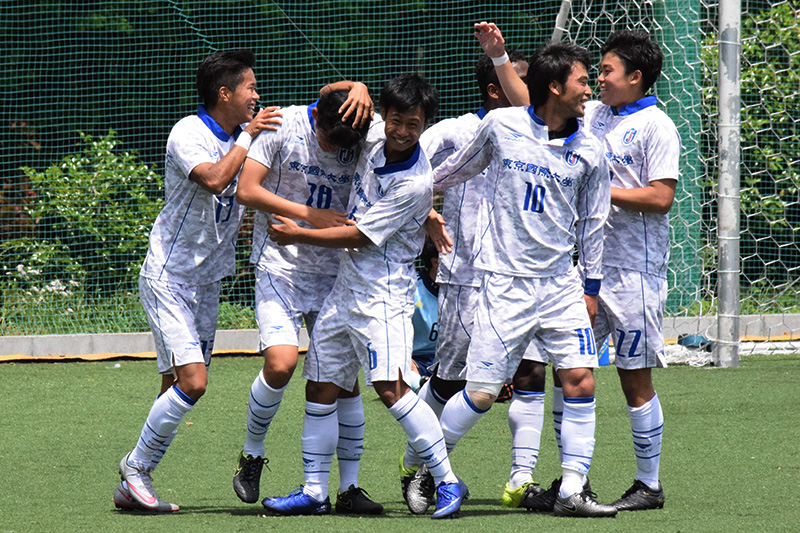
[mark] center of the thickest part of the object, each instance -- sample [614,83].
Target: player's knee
[530,376]
[483,395]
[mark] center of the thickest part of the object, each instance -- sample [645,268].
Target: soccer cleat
[640,497]
[513,497]
[124,502]
[356,500]
[140,484]
[583,504]
[406,475]
[421,492]
[449,497]
[247,477]
[543,501]
[297,503]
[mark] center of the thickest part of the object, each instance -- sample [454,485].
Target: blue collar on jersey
[570,122]
[481,113]
[402,165]
[311,117]
[215,128]
[633,107]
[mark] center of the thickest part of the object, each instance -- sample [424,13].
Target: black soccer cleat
[640,497]
[421,491]
[356,500]
[583,504]
[247,478]
[544,501]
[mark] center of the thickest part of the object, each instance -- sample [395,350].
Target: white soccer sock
[577,437]
[159,454]
[165,415]
[458,417]
[320,434]
[436,403]
[424,435]
[264,403]
[525,419]
[647,425]
[558,413]
[351,440]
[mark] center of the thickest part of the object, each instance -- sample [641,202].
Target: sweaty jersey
[460,206]
[194,236]
[300,171]
[642,145]
[389,204]
[540,196]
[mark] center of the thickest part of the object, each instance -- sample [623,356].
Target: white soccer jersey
[642,145]
[304,173]
[540,195]
[390,204]
[460,206]
[194,236]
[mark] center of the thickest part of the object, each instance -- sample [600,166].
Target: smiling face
[574,93]
[402,131]
[617,88]
[243,98]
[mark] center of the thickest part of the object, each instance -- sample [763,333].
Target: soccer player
[304,170]
[426,313]
[642,148]
[366,319]
[547,190]
[459,281]
[191,250]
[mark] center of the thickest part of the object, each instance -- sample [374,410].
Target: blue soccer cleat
[297,503]
[448,499]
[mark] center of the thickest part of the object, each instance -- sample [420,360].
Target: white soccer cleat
[123,501]
[140,484]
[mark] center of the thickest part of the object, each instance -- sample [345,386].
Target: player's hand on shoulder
[490,39]
[327,218]
[437,231]
[268,118]
[358,102]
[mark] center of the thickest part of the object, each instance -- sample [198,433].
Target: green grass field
[731,459]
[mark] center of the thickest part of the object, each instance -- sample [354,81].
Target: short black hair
[428,253]
[553,62]
[637,51]
[407,91]
[329,120]
[222,69]
[486,74]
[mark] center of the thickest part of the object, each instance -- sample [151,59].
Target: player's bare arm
[286,231]
[215,177]
[250,193]
[437,231]
[657,197]
[493,43]
[591,306]
[358,101]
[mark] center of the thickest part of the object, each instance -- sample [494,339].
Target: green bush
[99,205]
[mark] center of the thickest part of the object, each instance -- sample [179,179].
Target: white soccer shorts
[457,305]
[356,330]
[514,311]
[183,319]
[283,299]
[630,308]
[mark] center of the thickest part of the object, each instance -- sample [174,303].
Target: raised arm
[215,177]
[492,42]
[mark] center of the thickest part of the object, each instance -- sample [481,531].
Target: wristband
[503,59]
[244,140]
[591,287]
